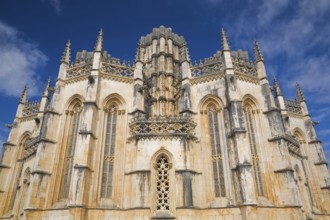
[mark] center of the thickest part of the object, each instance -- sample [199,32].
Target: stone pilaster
[87,136]
[65,61]
[243,164]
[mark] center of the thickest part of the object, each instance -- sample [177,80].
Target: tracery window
[73,118]
[162,183]
[217,162]
[20,164]
[23,189]
[109,151]
[250,124]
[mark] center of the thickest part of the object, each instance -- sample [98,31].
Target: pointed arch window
[217,162]
[23,189]
[20,164]
[73,119]
[109,152]
[162,183]
[250,124]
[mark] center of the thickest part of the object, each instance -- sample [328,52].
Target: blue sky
[293,34]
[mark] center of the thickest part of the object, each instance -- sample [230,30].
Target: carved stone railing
[243,66]
[31,147]
[118,69]
[31,108]
[210,65]
[163,127]
[79,70]
[293,106]
[291,142]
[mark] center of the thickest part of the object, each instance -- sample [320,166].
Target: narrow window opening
[69,155]
[218,172]
[109,152]
[254,153]
[163,186]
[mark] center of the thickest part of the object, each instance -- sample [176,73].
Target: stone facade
[163,138]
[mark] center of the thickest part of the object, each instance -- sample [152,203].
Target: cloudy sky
[293,34]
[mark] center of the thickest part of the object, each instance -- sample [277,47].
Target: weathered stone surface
[163,139]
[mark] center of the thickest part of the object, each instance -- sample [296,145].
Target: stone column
[238,132]
[87,137]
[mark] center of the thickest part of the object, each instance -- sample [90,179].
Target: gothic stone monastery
[163,138]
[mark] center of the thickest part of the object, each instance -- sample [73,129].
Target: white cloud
[19,62]
[270,10]
[297,32]
[212,2]
[57,6]
[325,132]
[320,113]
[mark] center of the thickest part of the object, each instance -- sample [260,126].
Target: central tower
[161,86]
[162,63]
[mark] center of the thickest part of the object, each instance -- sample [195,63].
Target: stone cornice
[247,78]
[137,171]
[76,79]
[207,78]
[117,78]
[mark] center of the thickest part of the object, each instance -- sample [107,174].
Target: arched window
[23,189]
[20,164]
[109,152]
[162,183]
[217,162]
[251,131]
[73,116]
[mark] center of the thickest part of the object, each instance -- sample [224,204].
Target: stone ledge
[137,171]
[41,172]
[324,162]
[189,171]
[93,103]
[88,133]
[82,167]
[3,166]
[8,144]
[315,141]
[283,170]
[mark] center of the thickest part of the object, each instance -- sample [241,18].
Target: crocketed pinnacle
[23,98]
[277,88]
[257,52]
[45,93]
[99,42]
[224,40]
[66,54]
[300,95]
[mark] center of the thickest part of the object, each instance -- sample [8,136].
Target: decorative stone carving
[31,108]
[79,70]
[293,106]
[163,127]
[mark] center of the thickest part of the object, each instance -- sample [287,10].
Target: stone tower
[163,138]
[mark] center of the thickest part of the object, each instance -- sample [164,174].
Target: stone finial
[257,52]
[24,97]
[224,40]
[46,92]
[300,95]
[99,42]
[277,88]
[66,53]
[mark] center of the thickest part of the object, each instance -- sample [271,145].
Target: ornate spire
[66,54]
[99,42]
[257,52]
[45,93]
[277,88]
[23,98]
[300,95]
[224,40]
